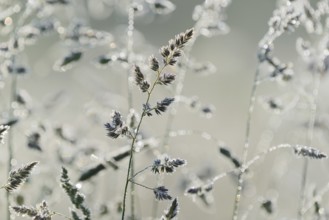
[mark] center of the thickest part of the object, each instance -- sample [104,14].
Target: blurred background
[65,108]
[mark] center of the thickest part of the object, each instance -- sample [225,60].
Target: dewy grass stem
[310,134]
[170,54]
[132,146]
[252,100]
[130,44]
[10,137]
[13,95]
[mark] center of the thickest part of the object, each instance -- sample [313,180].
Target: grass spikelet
[306,151]
[167,165]
[267,205]
[76,197]
[172,211]
[24,210]
[161,193]
[163,105]
[116,127]
[140,79]
[41,212]
[3,131]
[18,177]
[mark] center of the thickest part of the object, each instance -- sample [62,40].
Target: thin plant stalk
[310,134]
[315,198]
[298,150]
[139,172]
[130,44]
[261,155]
[146,187]
[268,39]
[250,208]
[13,93]
[132,146]
[252,100]
[303,188]
[63,216]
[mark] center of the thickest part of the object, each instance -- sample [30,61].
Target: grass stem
[252,100]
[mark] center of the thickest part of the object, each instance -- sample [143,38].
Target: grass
[178,141]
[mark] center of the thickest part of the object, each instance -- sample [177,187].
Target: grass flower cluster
[93,105]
